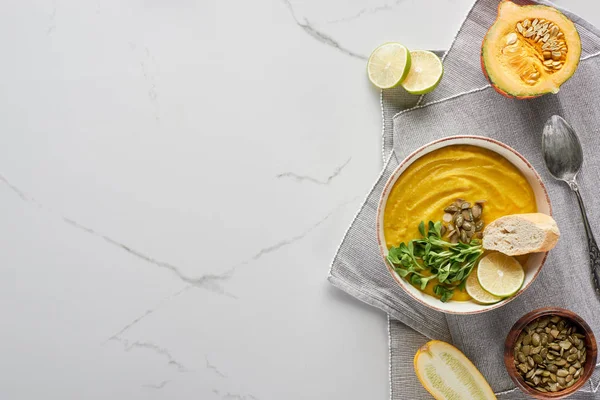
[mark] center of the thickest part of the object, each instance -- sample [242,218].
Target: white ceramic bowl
[535,261]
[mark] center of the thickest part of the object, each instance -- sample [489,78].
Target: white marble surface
[176,177]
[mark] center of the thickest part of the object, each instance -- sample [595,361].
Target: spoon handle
[592,245]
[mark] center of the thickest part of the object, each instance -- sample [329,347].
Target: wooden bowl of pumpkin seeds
[550,353]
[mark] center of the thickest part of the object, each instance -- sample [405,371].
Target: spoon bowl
[562,149]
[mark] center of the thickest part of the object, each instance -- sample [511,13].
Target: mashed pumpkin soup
[437,179]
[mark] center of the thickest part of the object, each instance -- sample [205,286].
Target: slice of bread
[519,234]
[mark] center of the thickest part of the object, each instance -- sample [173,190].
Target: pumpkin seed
[523,367]
[463,236]
[565,344]
[476,210]
[535,339]
[529,375]
[569,384]
[526,349]
[458,221]
[521,357]
[451,209]
[454,237]
[562,372]
[443,230]
[467,215]
[466,226]
[519,27]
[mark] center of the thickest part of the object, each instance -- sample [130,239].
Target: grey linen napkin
[464,103]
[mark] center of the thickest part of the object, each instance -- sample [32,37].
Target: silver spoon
[564,157]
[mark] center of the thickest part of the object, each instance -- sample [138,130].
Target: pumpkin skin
[517,61]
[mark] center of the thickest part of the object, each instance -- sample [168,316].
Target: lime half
[477,292]
[388,65]
[501,275]
[425,72]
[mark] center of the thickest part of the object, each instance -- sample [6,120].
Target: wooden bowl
[591,352]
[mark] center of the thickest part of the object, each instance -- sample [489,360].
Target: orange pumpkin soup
[437,179]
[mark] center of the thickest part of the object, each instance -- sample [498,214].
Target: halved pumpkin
[529,50]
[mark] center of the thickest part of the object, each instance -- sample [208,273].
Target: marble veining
[214,369]
[321,36]
[128,346]
[366,11]
[326,181]
[235,396]
[158,386]
[146,314]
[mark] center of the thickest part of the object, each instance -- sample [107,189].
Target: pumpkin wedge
[529,50]
[447,373]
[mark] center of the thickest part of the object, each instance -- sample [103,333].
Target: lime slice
[477,292]
[501,275]
[388,65]
[425,73]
